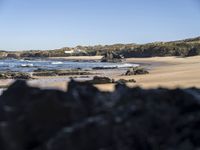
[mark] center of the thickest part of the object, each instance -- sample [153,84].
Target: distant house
[74,51]
[69,52]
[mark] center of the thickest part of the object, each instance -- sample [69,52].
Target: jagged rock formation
[112,57]
[86,119]
[136,71]
[41,72]
[13,55]
[101,80]
[124,81]
[15,75]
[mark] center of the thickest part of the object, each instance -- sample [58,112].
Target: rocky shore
[15,75]
[42,73]
[168,72]
[83,118]
[61,72]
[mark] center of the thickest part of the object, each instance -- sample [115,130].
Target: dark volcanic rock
[12,55]
[101,80]
[194,52]
[136,71]
[86,119]
[112,57]
[124,81]
[15,75]
[41,72]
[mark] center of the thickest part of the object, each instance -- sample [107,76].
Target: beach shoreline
[166,72]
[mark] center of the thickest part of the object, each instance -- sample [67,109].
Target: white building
[69,52]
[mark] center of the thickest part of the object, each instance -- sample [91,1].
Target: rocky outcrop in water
[86,119]
[112,57]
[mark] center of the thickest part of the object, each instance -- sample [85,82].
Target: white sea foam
[127,65]
[121,66]
[26,65]
[57,63]
[28,61]
[22,60]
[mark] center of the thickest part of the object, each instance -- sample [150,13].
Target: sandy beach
[168,72]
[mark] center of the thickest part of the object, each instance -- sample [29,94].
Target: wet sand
[167,72]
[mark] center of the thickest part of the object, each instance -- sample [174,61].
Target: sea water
[23,65]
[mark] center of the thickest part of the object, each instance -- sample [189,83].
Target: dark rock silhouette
[41,72]
[86,119]
[112,57]
[124,81]
[12,55]
[15,75]
[101,80]
[136,71]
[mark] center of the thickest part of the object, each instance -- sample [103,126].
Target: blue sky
[50,24]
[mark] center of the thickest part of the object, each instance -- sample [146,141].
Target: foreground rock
[124,81]
[101,80]
[15,75]
[85,119]
[60,72]
[136,71]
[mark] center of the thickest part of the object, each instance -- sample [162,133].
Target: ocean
[22,65]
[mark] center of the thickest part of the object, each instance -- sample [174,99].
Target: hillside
[183,48]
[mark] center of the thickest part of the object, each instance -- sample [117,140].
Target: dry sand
[168,72]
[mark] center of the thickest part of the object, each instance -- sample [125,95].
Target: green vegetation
[183,48]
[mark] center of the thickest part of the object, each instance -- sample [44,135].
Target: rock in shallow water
[86,119]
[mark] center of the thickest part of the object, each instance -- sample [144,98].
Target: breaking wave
[121,66]
[26,65]
[57,63]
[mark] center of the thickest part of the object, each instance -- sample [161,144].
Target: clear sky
[50,24]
